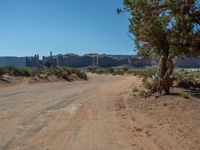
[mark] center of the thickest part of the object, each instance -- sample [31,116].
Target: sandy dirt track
[84,115]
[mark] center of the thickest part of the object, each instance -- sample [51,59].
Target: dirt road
[83,115]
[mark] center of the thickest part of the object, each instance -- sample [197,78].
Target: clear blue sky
[63,26]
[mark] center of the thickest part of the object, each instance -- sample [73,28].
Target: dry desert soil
[98,114]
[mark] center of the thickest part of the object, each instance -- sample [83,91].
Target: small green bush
[92,69]
[146,73]
[135,89]
[13,71]
[142,93]
[125,69]
[148,84]
[187,79]
[185,95]
[110,70]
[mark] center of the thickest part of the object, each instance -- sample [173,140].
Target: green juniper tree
[166,28]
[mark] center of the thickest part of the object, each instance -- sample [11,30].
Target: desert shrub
[78,72]
[185,95]
[110,70]
[142,93]
[187,79]
[144,72]
[125,69]
[119,72]
[1,72]
[25,72]
[63,72]
[100,71]
[92,69]
[13,71]
[148,84]
[135,89]
[42,76]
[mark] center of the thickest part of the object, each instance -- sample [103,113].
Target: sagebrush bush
[135,89]
[148,84]
[142,93]
[13,71]
[125,69]
[187,79]
[62,72]
[185,95]
[144,72]
[110,70]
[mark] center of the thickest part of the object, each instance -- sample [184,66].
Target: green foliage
[48,65]
[92,69]
[135,89]
[187,78]
[79,73]
[118,72]
[110,70]
[13,71]
[148,84]
[140,72]
[187,74]
[144,72]
[166,27]
[25,72]
[125,69]
[142,93]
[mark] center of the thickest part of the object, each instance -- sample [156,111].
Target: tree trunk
[163,82]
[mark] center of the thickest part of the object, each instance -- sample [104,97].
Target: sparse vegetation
[118,72]
[63,72]
[146,73]
[107,71]
[125,69]
[188,79]
[135,89]
[148,83]
[142,93]
[185,95]
[12,71]
[139,72]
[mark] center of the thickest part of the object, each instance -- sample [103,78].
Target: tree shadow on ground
[193,91]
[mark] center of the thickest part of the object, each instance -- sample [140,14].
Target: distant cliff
[188,62]
[13,61]
[103,60]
